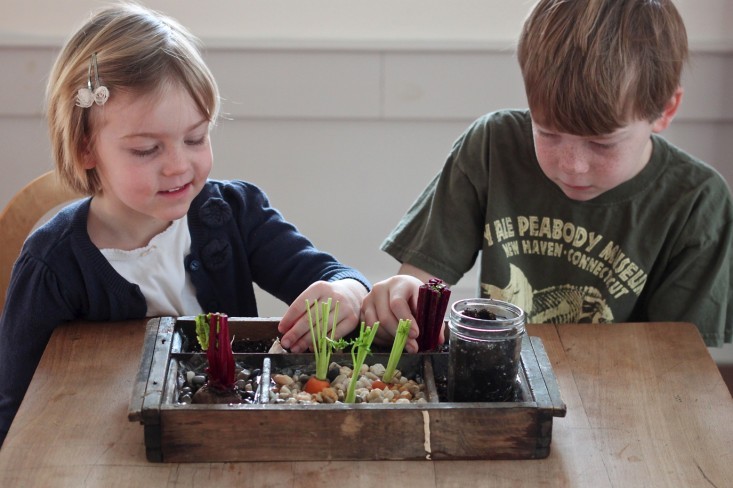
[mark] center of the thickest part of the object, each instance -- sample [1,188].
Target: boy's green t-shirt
[658,247]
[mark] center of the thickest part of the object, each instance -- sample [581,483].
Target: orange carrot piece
[381,385]
[314,385]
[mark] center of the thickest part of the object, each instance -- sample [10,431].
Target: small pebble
[282,379]
[304,397]
[329,395]
[374,396]
[333,372]
[377,369]
[287,384]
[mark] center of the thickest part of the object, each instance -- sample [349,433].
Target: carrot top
[323,344]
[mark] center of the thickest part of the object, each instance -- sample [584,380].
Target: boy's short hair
[592,66]
[138,51]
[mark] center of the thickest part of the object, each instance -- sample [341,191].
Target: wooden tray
[176,432]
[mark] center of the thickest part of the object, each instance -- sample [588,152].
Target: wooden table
[646,406]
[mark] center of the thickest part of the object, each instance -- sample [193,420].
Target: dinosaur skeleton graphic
[555,304]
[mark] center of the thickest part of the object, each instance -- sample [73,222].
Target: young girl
[130,107]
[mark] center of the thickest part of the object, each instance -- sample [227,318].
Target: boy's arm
[409,269]
[394,299]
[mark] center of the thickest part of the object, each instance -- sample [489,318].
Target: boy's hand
[389,301]
[294,323]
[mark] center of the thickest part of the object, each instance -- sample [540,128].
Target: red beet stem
[219,354]
[422,316]
[432,303]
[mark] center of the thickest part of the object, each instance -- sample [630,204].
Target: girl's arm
[294,323]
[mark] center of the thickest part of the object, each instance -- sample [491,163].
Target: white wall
[358,101]
[338,21]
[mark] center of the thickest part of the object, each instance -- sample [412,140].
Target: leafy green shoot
[323,345]
[202,330]
[359,350]
[400,339]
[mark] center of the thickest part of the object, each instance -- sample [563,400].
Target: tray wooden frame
[265,432]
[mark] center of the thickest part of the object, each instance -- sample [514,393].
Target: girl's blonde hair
[591,66]
[138,51]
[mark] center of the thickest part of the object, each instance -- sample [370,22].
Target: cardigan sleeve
[34,306]
[284,262]
[238,240]
[60,276]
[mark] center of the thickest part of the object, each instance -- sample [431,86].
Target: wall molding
[15,40]
[400,83]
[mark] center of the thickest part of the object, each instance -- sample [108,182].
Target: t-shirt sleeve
[442,231]
[698,280]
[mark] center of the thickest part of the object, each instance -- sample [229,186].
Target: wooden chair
[20,216]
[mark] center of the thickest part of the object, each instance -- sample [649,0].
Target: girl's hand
[389,301]
[294,323]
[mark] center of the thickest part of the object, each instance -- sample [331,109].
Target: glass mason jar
[484,350]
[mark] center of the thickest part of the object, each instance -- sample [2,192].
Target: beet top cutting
[212,331]
[432,302]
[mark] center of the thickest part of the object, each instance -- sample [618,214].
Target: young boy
[580,211]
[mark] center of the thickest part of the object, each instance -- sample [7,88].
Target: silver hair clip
[91,94]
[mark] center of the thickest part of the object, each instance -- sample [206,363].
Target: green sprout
[359,350]
[323,345]
[400,339]
[202,330]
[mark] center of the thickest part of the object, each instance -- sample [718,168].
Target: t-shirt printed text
[583,248]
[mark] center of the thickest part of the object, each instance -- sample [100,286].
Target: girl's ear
[90,159]
[670,110]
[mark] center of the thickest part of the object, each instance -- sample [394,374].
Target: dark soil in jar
[483,371]
[479,313]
